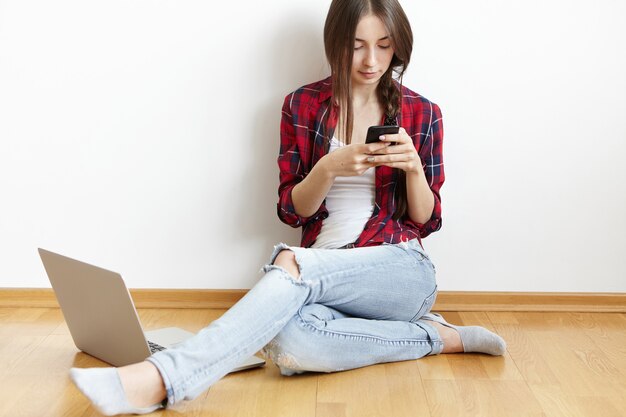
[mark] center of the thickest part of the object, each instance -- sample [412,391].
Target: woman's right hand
[351,160]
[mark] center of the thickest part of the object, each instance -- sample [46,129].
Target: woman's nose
[370,58]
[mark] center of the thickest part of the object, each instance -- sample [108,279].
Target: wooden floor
[558,364]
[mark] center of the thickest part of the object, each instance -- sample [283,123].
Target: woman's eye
[385,46]
[356,48]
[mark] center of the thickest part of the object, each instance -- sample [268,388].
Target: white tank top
[350,204]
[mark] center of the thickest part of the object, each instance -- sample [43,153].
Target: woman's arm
[346,161]
[301,194]
[423,166]
[309,194]
[403,155]
[420,198]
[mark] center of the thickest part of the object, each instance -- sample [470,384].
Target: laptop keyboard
[154,347]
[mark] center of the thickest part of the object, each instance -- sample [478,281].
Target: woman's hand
[346,161]
[401,154]
[351,160]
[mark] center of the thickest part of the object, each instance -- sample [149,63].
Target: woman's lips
[368,74]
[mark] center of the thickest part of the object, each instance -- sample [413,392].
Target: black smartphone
[374,132]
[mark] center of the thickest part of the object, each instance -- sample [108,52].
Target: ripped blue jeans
[348,309]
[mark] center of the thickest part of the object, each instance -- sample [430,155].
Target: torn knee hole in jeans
[278,249]
[281,358]
[285,273]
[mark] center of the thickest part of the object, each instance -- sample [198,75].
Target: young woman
[360,288]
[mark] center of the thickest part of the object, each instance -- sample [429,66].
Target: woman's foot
[142,384]
[133,389]
[450,338]
[467,338]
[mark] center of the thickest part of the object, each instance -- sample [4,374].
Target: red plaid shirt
[307,125]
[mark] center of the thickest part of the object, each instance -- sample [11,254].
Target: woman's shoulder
[411,98]
[309,94]
[418,113]
[317,87]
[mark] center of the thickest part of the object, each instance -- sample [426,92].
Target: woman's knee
[287,259]
[296,349]
[280,350]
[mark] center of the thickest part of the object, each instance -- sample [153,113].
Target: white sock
[103,387]
[479,339]
[473,338]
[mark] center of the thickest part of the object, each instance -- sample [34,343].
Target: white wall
[142,135]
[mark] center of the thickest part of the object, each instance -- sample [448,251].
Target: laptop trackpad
[168,337]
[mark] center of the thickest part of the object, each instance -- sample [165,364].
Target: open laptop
[102,318]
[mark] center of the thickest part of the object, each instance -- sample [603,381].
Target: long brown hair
[339,36]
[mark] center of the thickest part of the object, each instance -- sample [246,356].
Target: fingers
[394,150]
[399,138]
[399,143]
[412,165]
[392,158]
[372,148]
[352,159]
[385,148]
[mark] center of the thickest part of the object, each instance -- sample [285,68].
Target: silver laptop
[101,316]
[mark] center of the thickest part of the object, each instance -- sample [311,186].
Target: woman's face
[372,51]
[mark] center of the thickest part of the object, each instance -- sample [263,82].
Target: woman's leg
[389,282]
[189,368]
[322,339]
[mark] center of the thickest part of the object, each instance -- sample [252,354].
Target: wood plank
[523,349]
[406,389]
[610,337]
[393,389]
[262,392]
[558,402]
[565,363]
[436,367]
[582,368]
[473,397]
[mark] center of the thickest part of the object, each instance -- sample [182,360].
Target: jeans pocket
[427,305]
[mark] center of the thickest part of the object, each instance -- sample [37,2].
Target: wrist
[416,172]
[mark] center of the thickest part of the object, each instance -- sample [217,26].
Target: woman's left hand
[401,153]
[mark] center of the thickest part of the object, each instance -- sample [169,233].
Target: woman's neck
[364,95]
